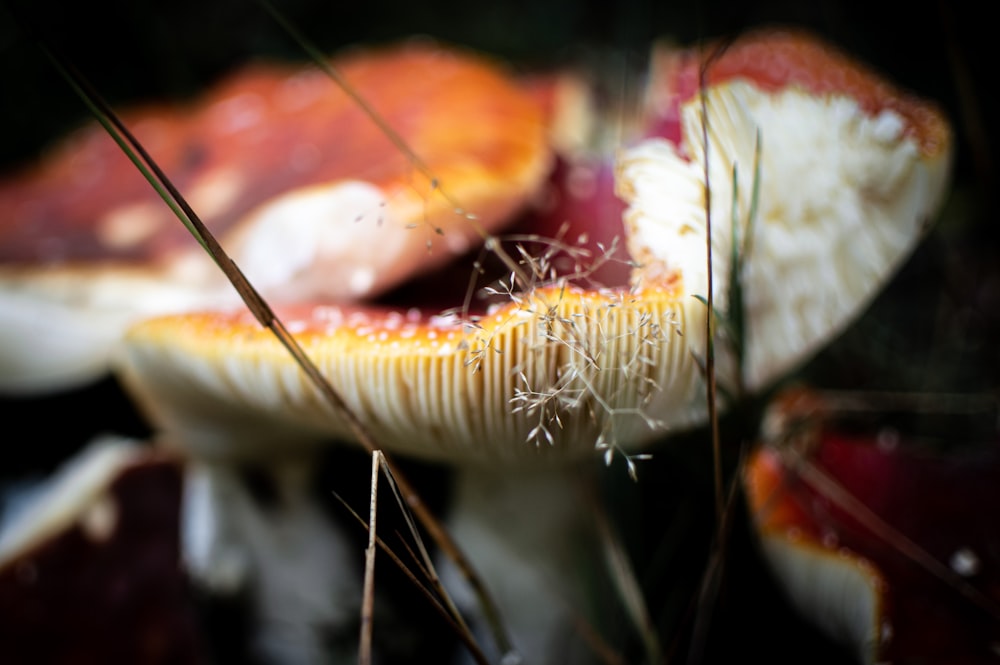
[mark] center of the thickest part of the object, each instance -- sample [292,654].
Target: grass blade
[368,588]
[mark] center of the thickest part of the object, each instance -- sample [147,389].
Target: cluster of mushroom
[551,368]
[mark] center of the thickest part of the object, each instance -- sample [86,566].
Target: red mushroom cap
[858,581]
[307,193]
[91,572]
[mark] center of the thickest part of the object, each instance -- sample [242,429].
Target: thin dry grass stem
[368,588]
[460,630]
[470,291]
[626,582]
[425,559]
[266,317]
[414,558]
[714,575]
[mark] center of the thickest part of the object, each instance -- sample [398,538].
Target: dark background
[934,328]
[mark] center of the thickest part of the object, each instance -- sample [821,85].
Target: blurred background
[934,329]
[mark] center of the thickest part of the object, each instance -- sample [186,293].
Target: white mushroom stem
[290,558]
[531,542]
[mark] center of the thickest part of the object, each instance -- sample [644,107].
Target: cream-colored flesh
[843,198]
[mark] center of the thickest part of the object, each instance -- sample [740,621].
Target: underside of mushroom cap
[848,170]
[544,377]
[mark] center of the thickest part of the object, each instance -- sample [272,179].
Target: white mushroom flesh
[843,197]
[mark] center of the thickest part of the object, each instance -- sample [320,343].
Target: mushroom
[882,544]
[294,177]
[90,564]
[287,171]
[869,165]
[550,371]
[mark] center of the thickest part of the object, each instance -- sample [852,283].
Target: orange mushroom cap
[307,193]
[270,131]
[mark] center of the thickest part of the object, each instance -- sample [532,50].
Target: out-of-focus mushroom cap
[838,589]
[59,326]
[66,499]
[269,134]
[308,194]
[854,580]
[568,364]
[363,218]
[777,59]
[851,172]
[90,571]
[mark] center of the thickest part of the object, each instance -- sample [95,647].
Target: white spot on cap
[128,225]
[215,192]
[301,90]
[457,243]
[238,113]
[965,562]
